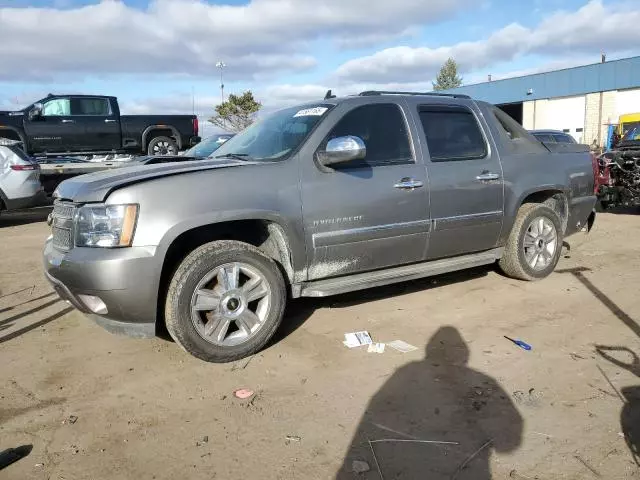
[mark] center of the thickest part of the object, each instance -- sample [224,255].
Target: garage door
[627,101]
[565,114]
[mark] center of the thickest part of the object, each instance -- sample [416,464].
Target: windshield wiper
[237,156]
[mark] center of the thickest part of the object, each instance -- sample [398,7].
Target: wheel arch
[554,196]
[153,131]
[14,134]
[267,234]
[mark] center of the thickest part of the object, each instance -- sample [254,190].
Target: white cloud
[187,37]
[592,28]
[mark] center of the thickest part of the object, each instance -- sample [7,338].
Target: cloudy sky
[153,54]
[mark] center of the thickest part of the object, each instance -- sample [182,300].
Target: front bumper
[124,279]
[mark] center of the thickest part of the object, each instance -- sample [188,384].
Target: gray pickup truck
[315,200]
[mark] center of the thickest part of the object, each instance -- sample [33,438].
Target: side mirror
[343,149]
[35,112]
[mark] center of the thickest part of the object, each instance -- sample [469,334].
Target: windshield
[275,136]
[208,145]
[633,133]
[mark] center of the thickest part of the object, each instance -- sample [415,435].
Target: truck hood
[95,187]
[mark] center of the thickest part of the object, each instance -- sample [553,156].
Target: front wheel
[225,301]
[160,146]
[534,245]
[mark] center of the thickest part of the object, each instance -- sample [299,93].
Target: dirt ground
[98,406]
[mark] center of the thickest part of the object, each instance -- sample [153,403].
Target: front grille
[62,225]
[63,210]
[61,238]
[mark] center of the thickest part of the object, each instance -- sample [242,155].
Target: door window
[91,106]
[58,107]
[452,133]
[384,131]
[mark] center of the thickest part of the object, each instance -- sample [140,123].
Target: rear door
[101,125]
[465,179]
[56,129]
[366,214]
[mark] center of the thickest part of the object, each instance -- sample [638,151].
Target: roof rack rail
[370,93]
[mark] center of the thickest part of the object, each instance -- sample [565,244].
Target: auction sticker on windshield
[311,112]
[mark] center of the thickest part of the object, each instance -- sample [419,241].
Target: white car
[19,178]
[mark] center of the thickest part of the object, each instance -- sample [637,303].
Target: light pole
[221,66]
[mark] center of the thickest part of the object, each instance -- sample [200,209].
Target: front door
[56,129]
[465,180]
[101,125]
[366,214]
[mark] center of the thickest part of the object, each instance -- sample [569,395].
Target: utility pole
[221,66]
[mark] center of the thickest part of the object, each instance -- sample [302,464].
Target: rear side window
[91,106]
[384,131]
[515,138]
[563,138]
[452,133]
[545,138]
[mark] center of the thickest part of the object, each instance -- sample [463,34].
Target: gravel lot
[98,406]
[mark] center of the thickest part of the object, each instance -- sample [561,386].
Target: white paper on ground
[402,346]
[357,339]
[376,348]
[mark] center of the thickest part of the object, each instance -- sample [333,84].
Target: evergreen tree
[448,76]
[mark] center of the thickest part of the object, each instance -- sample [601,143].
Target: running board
[361,281]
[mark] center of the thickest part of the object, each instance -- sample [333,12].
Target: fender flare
[510,216]
[296,259]
[20,134]
[539,189]
[150,128]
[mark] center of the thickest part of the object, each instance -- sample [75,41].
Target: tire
[517,257]
[189,328]
[159,146]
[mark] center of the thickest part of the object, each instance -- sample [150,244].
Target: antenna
[329,95]
[221,65]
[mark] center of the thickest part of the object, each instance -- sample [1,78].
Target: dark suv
[314,200]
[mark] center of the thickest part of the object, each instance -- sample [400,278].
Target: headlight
[105,225]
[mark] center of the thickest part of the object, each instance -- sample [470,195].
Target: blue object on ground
[520,343]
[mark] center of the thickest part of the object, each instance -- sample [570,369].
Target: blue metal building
[581,101]
[599,77]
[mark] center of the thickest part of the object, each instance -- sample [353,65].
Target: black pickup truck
[72,124]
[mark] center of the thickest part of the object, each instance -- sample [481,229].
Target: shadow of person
[436,399]
[630,414]
[630,420]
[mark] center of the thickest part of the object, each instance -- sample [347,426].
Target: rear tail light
[596,172]
[196,127]
[23,167]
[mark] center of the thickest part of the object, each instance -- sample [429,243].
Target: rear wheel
[534,245]
[162,146]
[225,301]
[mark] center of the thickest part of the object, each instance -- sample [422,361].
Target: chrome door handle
[64,120]
[108,120]
[487,177]
[408,184]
